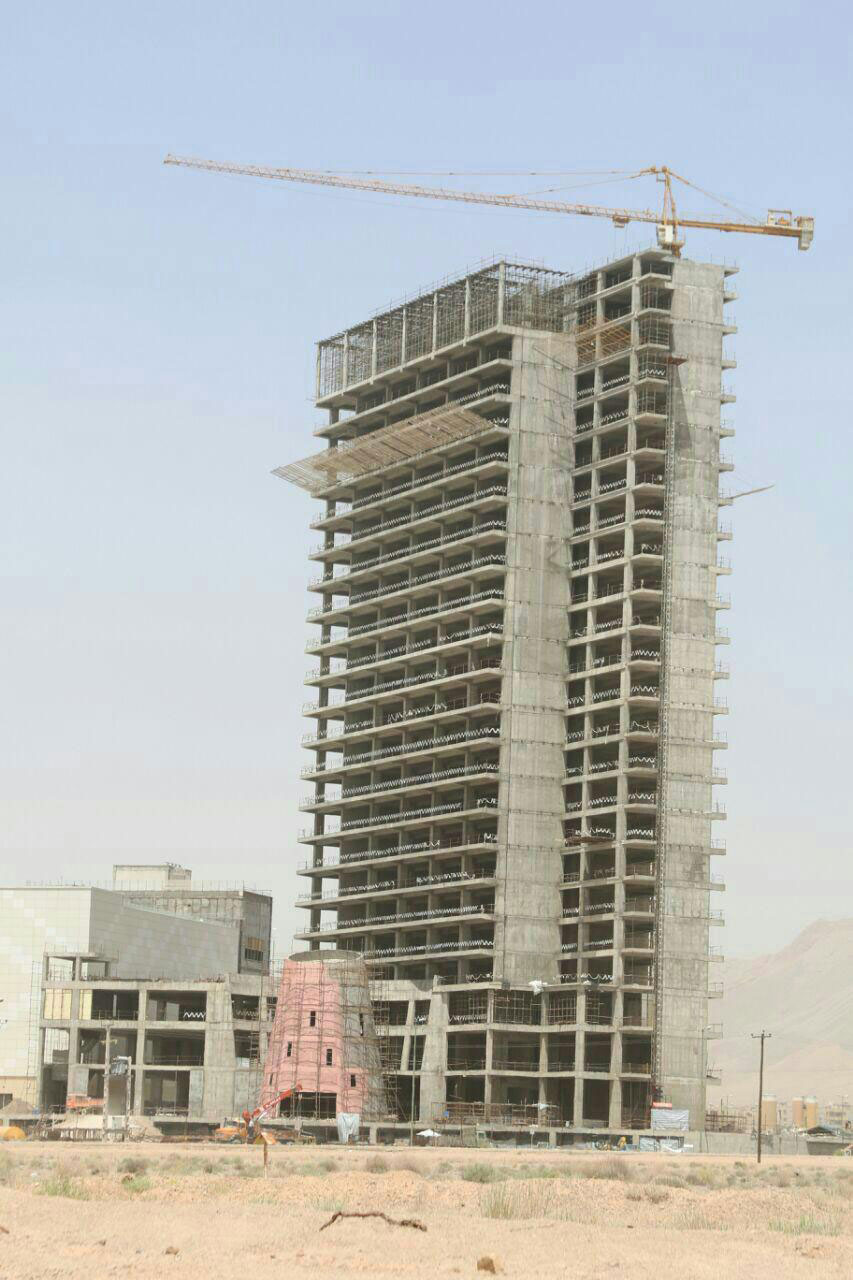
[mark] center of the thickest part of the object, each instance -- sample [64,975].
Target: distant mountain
[803,995]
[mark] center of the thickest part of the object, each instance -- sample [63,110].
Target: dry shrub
[133,1164]
[481,1173]
[614,1169]
[522,1200]
[705,1175]
[807,1224]
[376,1164]
[545,1171]
[183,1165]
[137,1183]
[695,1217]
[331,1204]
[62,1184]
[316,1169]
[652,1195]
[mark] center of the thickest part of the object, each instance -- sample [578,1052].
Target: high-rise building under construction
[513,733]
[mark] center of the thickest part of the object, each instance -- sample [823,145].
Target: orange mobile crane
[668,221]
[248,1128]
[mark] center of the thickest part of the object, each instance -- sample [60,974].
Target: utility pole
[765,1035]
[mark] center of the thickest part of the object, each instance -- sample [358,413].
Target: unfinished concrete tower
[514,728]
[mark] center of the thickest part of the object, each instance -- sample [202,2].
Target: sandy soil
[149,1210]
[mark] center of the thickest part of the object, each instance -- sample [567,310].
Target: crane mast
[779,222]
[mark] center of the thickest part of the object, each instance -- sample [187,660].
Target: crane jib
[667,220]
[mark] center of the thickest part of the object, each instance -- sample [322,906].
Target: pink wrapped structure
[323,1041]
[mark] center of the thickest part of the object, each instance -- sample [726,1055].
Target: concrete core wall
[531,807]
[683,926]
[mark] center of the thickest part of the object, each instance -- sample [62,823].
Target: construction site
[513,739]
[412,865]
[514,732]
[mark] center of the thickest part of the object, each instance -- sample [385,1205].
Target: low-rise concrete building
[195,1046]
[59,942]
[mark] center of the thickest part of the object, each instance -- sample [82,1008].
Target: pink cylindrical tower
[323,1041]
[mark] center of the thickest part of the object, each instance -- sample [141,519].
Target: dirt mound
[17,1107]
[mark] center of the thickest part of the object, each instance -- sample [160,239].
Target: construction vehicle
[248,1128]
[669,223]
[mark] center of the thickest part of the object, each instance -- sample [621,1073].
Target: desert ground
[150,1210]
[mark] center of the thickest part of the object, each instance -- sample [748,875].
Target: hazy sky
[157,348]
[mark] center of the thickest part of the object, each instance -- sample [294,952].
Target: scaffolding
[396,443]
[497,1114]
[502,293]
[398,1052]
[517,1008]
[725,1119]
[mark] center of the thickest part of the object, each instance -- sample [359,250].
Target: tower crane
[668,221]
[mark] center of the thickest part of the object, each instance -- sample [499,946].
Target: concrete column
[530,817]
[219,1055]
[434,1063]
[34,1089]
[490,1047]
[577,1109]
[407,1054]
[139,1054]
[615,1113]
[501,291]
[697,322]
[543,1067]
[74,1032]
[615,1120]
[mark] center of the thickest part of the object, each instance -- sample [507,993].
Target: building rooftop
[501,292]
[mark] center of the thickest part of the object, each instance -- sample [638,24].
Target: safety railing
[495,455]
[437,508]
[431,544]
